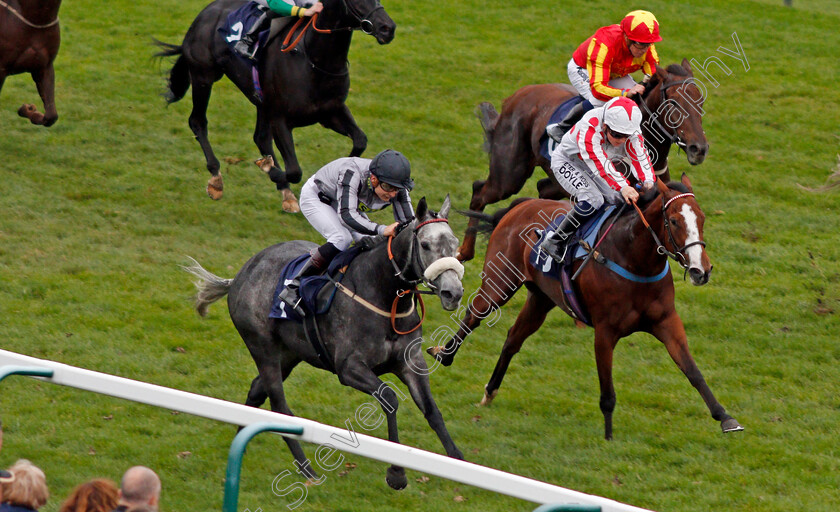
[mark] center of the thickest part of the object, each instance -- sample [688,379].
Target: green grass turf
[98,212]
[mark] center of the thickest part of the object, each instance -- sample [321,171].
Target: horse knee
[607,404]
[387,398]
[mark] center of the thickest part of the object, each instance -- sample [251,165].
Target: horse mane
[676,69]
[649,196]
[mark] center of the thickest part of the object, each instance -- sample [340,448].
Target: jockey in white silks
[582,164]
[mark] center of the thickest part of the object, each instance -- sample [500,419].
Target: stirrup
[291,297]
[249,51]
[555,131]
[554,249]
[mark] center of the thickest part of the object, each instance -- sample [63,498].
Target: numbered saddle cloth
[313,301]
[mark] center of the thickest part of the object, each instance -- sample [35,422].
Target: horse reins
[26,21]
[675,137]
[400,272]
[365,25]
[679,254]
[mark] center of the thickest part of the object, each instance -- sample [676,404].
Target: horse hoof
[26,110]
[730,425]
[265,163]
[439,355]
[395,476]
[487,399]
[463,255]
[214,187]
[290,202]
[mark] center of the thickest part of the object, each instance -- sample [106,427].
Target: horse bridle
[673,137]
[365,25]
[413,260]
[679,253]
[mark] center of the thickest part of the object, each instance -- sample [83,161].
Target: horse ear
[444,210]
[685,181]
[422,209]
[687,66]
[661,186]
[661,74]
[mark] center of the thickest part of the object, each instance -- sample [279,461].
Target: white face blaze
[693,230]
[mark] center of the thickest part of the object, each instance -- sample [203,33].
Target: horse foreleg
[494,292]
[271,381]
[342,122]
[285,143]
[671,333]
[354,373]
[605,341]
[530,318]
[268,162]
[45,82]
[201,89]
[414,374]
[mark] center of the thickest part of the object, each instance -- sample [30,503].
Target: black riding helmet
[393,168]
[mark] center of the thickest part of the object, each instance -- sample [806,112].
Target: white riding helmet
[622,116]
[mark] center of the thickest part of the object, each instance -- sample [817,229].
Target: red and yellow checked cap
[641,26]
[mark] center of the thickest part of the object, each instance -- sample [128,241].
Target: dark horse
[302,87]
[617,306]
[29,40]
[672,107]
[360,344]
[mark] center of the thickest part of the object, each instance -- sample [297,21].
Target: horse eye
[673,222]
[425,245]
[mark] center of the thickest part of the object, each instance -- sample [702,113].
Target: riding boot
[247,45]
[557,130]
[314,265]
[555,243]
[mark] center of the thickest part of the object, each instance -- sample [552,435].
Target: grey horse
[360,344]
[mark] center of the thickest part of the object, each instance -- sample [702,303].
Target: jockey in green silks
[247,46]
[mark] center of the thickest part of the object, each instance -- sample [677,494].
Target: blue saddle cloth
[541,261]
[547,144]
[239,21]
[310,287]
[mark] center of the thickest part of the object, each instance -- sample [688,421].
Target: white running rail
[371,447]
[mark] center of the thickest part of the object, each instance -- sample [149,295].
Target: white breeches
[579,78]
[325,219]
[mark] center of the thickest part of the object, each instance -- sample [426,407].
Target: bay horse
[298,88]
[360,344]
[672,109]
[617,305]
[29,40]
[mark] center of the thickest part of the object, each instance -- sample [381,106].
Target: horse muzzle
[698,276]
[380,26]
[696,153]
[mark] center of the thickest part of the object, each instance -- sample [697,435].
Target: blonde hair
[29,488]
[98,495]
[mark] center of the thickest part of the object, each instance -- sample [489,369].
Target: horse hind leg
[45,82]
[269,383]
[530,318]
[510,168]
[202,86]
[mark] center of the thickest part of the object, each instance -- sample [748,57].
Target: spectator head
[139,486]
[28,487]
[95,496]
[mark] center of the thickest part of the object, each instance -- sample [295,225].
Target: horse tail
[209,286]
[179,75]
[487,222]
[488,116]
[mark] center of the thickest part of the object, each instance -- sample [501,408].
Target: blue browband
[626,274]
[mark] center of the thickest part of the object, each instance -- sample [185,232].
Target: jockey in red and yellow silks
[600,68]
[606,56]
